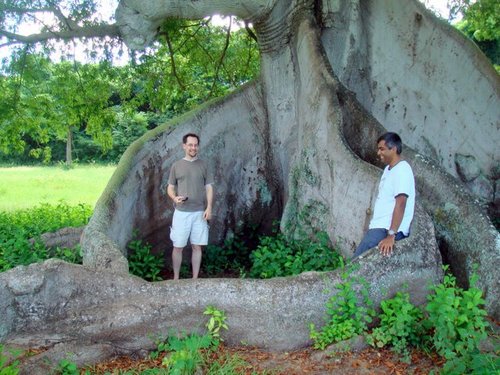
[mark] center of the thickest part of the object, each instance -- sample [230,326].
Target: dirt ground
[301,362]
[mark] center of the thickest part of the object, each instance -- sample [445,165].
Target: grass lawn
[25,187]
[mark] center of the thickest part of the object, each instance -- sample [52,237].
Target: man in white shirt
[395,203]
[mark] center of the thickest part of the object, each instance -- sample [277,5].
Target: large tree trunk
[395,58]
[301,140]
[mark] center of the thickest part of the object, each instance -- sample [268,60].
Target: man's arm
[172,194]
[207,215]
[387,244]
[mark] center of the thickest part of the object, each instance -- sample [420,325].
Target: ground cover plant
[232,258]
[27,186]
[143,262]
[274,256]
[279,255]
[9,366]
[457,325]
[184,354]
[400,325]
[177,354]
[452,324]
[17,228]
[349,311]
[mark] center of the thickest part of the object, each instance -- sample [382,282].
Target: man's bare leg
[176,261]
[196,260]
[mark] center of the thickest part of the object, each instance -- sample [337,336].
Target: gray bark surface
[85,315]
[65,237]
[331,86]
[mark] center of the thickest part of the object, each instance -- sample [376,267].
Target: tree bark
[319,88]
[69,147]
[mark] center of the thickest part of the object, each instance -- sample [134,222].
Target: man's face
[191,147]
[386,154]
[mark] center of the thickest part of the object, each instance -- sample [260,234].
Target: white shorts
[188,225]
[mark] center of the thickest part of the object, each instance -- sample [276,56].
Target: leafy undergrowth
[305,361]
[18,227]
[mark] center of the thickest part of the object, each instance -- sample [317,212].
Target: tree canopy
[482,16]
[481,23]
[51,20]
[191,62]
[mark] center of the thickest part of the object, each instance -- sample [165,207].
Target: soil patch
[306,361]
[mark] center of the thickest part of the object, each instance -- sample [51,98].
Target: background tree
[480,22]
[192,61]
[49,101]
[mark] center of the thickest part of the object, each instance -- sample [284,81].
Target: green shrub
[280,256]
[7,368]
[45,218]
[18,227]
[454,326]
[185,355]
[348,312]
[216,323]
[456,317]
[232,255]
[476,363]
[67,367]
[273,257]
[215,260]
[142,262]
[71,255]
[400,325]
[17,250]
[456,320]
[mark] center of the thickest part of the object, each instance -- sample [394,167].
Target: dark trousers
[372,238]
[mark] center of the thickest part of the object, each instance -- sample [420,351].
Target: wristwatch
[390,232]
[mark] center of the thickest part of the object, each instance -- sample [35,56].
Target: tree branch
[139,20]
[222,56]
[96,31]
[72,25]
[172,60]
[52,8]
[19,10]
[250,31]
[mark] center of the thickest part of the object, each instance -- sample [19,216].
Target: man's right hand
[180,199]
[386,245]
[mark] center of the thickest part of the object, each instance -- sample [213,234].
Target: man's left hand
[207,215]
[386,245]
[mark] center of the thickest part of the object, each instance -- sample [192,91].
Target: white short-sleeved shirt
[395,181]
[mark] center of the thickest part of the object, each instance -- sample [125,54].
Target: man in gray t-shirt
[190,188]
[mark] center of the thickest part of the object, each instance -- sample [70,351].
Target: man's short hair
[392,140]
[185,137]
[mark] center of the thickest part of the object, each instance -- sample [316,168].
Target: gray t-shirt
[190,179]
